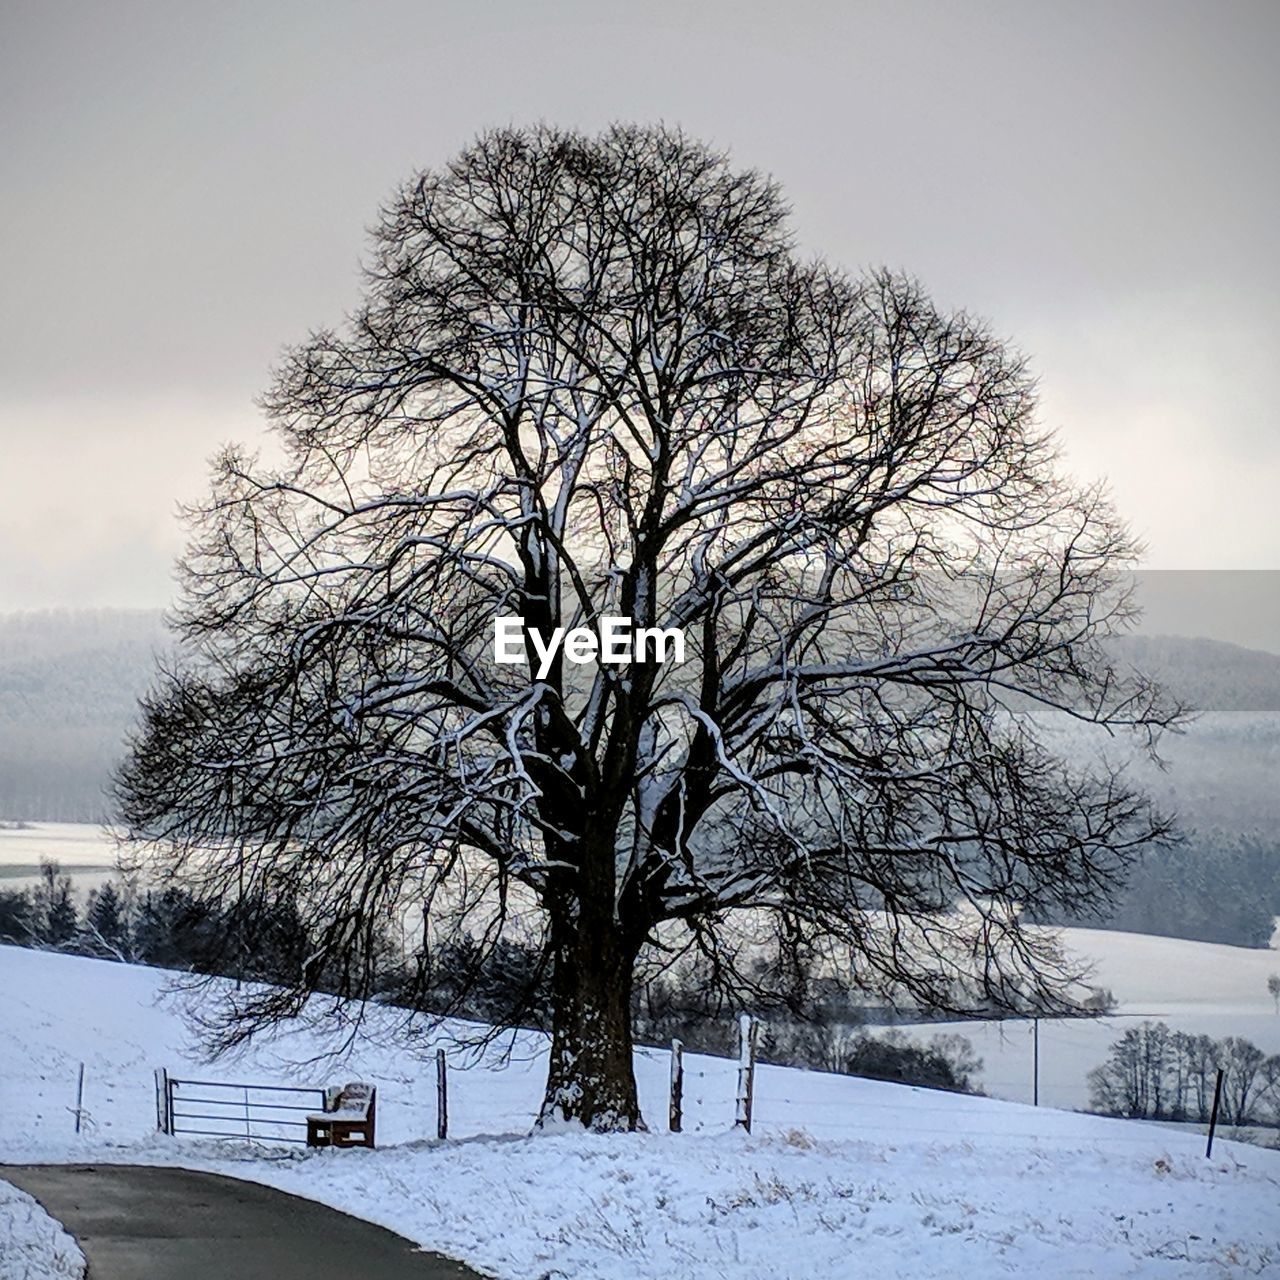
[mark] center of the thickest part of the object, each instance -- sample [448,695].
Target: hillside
[906,1182]
[70,681]
[1198,987]
[1209,674]
[69,685]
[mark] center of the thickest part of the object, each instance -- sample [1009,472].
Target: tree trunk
[591,1076]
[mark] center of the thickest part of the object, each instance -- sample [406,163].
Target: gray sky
[184,188]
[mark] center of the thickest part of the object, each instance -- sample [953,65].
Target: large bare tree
[591,377]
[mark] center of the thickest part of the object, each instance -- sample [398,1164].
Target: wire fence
[1022,1061]
[1046,1061]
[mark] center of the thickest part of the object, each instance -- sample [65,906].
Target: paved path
[139,1223]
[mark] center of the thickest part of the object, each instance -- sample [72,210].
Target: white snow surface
[1203,988]
[32,1245]
[842,1177]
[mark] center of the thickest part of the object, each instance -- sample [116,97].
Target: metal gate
[223,1109]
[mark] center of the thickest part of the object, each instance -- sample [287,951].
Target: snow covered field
[32,1245]
[1203,988]
[842,1178]
[83,851]
[1198,987]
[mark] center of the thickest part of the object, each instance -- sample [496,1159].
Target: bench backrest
[356,1096]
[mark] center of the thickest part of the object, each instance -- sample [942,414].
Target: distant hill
[1209,674]
[70,681]
[69,685]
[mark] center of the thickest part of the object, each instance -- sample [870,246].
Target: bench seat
[348,1118]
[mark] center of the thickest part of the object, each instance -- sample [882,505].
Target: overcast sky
[184,188]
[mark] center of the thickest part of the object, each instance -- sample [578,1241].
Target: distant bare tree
[1140,1075]
[1269,1087]
[1273,989]
[591,377]
[1242,1066]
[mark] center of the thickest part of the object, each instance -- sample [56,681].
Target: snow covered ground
[1199,987]
[83,851]
[32,1245]
[1171,975]
[842,1177]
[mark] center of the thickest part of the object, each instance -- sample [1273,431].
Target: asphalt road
[138,1223]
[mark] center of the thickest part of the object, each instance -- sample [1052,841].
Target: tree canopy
[592,376]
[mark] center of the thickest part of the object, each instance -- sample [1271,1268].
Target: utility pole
[1035,1062]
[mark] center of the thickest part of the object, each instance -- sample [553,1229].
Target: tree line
[1155,1073]
[168,928]
[464,978]
[1214,886]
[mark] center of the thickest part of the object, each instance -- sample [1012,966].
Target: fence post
[1035,1062]
[677,1086]
[1213,1115]
[442,1097]
[163,1123]
[79,1097]
[747,1026]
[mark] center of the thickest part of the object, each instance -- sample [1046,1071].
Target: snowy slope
[1198,987]
[843,1177]
[32,1245]
[1173,975]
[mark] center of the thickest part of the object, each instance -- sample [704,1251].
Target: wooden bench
[347,1119]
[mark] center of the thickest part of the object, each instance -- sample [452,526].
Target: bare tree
[1140,1076]
[1243,1073]
[591,377]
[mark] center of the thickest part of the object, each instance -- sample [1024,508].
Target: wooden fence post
[747,1028]
[442,1096]
[164,1121]
[79,1097]
[1035,1062]
[677,1085]
[1213,1115]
